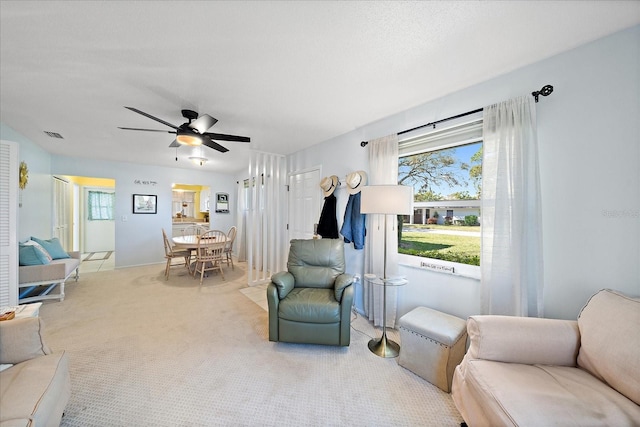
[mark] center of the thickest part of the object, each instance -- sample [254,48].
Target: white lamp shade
[386,199]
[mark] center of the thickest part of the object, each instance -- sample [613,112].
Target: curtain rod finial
[545,91]
[364,143]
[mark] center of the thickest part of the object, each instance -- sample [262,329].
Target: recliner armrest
[526,340]
[342,281]
[284,282]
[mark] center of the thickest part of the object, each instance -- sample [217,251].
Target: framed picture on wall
[222,203]
[145,204]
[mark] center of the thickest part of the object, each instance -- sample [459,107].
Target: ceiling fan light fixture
[197,157]
[198,160]
[191,140]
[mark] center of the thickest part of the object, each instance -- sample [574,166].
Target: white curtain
[383,169]
[511,260]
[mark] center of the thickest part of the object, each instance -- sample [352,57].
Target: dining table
[190,242]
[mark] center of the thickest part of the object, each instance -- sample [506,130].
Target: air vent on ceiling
[54,134]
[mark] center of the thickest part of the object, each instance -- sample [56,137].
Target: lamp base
[384,347]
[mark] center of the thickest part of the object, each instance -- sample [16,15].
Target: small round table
[384,347]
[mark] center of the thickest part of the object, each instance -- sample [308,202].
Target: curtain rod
[545,91]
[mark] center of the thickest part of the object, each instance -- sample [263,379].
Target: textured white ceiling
[286,74]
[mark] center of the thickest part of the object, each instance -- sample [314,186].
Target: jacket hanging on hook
[353,228]
[328,224]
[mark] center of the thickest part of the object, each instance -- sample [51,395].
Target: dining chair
[193,230]
[170,254]
[210,252]
[228,247]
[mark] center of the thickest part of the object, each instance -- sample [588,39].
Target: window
[101,206]
[444,167]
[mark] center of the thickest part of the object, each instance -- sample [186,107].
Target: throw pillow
[40,248]
[29,255]
[53,246]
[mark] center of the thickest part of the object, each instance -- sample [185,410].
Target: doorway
[85,221]
[304,203]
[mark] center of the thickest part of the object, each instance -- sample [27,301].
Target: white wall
[589,141]
[35,215]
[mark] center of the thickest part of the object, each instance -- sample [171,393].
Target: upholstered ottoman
[432,345]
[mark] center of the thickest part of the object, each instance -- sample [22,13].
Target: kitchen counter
[188,220]
[177,227]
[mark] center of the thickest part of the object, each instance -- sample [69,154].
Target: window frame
[433,264]
[93,194]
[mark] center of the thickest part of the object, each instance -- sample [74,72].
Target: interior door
[62,212]
[304,203]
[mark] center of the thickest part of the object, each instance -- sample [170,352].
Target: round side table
[384,347]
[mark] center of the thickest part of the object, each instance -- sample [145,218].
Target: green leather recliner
[311,302]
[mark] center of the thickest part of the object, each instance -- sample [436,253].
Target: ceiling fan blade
[148,130]
[202,123]
[135,110]
[212,144]
[223,137]
[175,144]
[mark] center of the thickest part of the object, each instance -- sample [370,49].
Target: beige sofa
[540,372]
[35,389]
[52,275]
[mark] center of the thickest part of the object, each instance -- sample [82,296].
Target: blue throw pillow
[29,255]
[52,246]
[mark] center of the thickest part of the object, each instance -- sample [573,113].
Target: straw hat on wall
[355,181]
[329,185]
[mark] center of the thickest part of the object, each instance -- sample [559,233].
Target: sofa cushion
[609,325]
[35,392]
[21,339]
[39,247]
[536,395]
[58,270]
[52,246]
[29,255]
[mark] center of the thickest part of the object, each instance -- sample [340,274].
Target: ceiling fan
[194,132]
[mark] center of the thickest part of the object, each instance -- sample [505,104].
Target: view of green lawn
[464,249]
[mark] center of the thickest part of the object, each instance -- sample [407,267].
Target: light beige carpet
[149,352]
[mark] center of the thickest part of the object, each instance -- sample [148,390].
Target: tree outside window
[447,184]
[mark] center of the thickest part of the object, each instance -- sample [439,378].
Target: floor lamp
[386,200]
